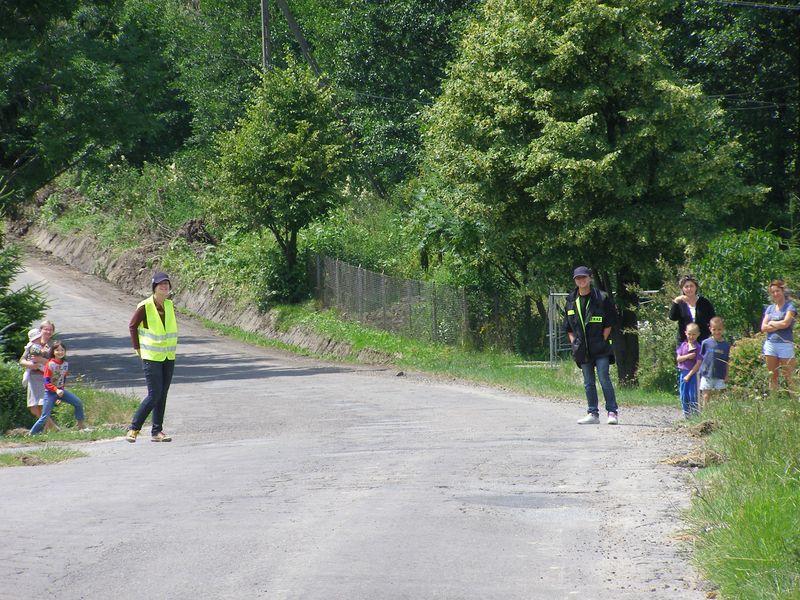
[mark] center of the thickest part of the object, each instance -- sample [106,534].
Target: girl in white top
[34,359]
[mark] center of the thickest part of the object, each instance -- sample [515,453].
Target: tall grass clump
[746,515]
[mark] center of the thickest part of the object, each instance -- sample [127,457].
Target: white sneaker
[612,418]
[590,419]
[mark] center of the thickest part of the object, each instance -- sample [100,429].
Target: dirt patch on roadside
[29,460]
[699,458]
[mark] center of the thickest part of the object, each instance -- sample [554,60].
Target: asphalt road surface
[294,478]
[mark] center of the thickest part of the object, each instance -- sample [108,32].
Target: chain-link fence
[417,309]
[559,342]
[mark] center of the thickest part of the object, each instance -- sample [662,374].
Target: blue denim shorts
[779,349]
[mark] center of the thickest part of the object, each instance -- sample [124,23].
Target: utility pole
[298,35]
[266,39]
[305,49]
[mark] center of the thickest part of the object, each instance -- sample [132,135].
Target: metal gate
[559,342]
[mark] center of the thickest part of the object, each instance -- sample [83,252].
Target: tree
[388,59]
[563,134]
[735,270]
[285,161]
[749,58]
[80,83]
[20,307]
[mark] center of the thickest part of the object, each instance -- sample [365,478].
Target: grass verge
[502,369]
[106,412]
[746,515]
[45,456]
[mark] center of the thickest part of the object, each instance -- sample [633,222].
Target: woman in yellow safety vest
[154,335]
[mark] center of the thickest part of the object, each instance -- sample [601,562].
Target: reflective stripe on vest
[580,313]
[159,341]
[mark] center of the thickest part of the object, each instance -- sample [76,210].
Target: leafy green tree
[215,47]
[388,60]
[749,58]
[735,269]
[285,162]
[20,307]
[565,137]
[80,83]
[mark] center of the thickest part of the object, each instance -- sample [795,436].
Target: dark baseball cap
[582,272]
[158,277]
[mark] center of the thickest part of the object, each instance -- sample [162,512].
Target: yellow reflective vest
[158,341]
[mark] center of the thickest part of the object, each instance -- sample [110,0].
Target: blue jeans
[688,392]
[50,401]
[158,376]
[602,364]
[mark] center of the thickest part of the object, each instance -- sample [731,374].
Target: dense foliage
[617,133]
[19,306]
[734,270]
[551,157]
[13,404]
[284,164]
[748,57]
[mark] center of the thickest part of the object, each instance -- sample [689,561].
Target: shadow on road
[109,361]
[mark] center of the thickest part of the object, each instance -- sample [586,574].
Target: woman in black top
[690,307]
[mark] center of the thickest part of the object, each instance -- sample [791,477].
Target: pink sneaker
[612,418]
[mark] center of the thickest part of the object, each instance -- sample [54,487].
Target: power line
[744,4]
[769,107]
[750,92]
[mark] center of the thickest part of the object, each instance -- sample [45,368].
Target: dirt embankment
[130,271]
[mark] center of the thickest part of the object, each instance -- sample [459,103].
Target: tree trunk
[626,338]
[290,251]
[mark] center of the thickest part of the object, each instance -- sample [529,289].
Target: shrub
[657,366]
[734,271]
[746,369]
[21,306]
[13,403]
[280,283]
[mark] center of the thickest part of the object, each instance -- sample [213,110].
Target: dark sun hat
[158,277]
[582,272]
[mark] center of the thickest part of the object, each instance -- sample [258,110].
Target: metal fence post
[336,291]
[383,301]
[550,331]
[434,328]
[359,296]
[465,316]
[319,280]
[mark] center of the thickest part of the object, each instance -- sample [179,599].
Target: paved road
[294,478]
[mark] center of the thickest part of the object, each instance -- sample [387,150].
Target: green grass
[495,368]
[38,457]
[106,412]
[746,516]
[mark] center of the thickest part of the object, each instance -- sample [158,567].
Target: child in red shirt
[55,377]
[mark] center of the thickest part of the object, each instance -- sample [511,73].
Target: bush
[20,306]
[281,284]
[657,366]
[746,369]
[734,271]
[13,399]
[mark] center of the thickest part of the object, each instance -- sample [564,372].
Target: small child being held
[55,378]
[689,360]
[716,354]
